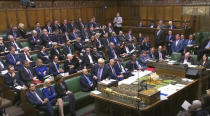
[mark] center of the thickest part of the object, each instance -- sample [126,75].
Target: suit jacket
[65,28]
[131,66]
[57,52]
[110,53]
[188,42]
[172,27]
[98,42]
[32,99]
[86,60]
[56,27]
[109,30]
[9,81]
[49,29]
[58,38]
[34,44]
[128,37]
[118,68]
[68,49]
[80,25]
[92,33]
[169,44]
[78,46]
[44,58]
[53,70]
[73,36]
[114,40]
[23,57]
[177,48]
[9,44]
[39,71]
[50,94]
[206,64]
[70,70]
[85,35]
[25,77]
[11,61]
[152,56]
[121,39]
[143,60]
[61,92]
[112,72]
[85,85]
[46,41]
[22,33]
[97,55]
[159,39]
[15,34]
[105,42]
[145,46]
[190,60]
[105,73]
[157,55]
[203,44]
[3,48]
[3,63]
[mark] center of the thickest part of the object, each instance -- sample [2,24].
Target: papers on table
[4,72]
[171,62]
[137,74]
[186,105]
[18,87]
[170,89]
[107,81]
[96,92]
[187,80]
[192,66]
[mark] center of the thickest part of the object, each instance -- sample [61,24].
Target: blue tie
[69,50]
[99,74]
[87,78]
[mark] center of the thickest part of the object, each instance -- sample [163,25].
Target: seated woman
[41,70]
[49,93]
[66,95]
[205,62]
[69,65]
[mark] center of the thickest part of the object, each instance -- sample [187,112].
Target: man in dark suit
[78,45]
[55,51]
[112,51]
[27,73]
[106,40]
[190,41]
[169,41]
[131,65]
[103,31]
[152,53]
[143,59]
[26,56]
[96,54]
[92,31]
[177,45]
[121,37]
[160,56]
[86,81]
[15,44]
[85,34]
[80,25]
[186,59]
[120,69]
[113,72]
[34,41]
[204,48]
[3,65]
[49,27]
[129,37]
[35,97]
[145,45]
[14,32]
[109,29]
[98,42]
[171,26]
[13,59]
[58,38]
[38,28]
[159,37]
[46,39]
[56,26]
[12,79]
[100,71]
[54,67]
[65,27]
[114,39]
[43,55]
[68,48]
[88,58]
[72,25]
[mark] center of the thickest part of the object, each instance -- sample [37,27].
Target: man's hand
[95,77]
[45,100]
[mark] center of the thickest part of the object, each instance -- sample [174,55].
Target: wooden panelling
[168,13]
[143,12]
[12,18]
[3,20]
[159,12]
[21,15]
[151,14]
[70,13]
[48,14]
[57,14]
[41,16]
[32,17]
[64,13]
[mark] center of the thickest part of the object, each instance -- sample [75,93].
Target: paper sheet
[185,105]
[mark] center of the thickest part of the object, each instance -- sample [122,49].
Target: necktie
[1,66]
[138,65]
[87,78]
[113,71]
[14,34]
[30,74]
[37,97]
[67,37]
[115,56]
[99,73]
[208,45]
[50,30]
[13,57]
[69,49]
[56,68]
[160,56]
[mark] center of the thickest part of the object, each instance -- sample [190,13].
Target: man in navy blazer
[35,97]
[171,26]
[34,41]
[114,74]
[190,41]
[86,81]
[26,56]
[177,45]
[44,55]
[169,42]
[13,59]
[14,32]
[54,67]
[114,39]
[112,51]
[143,59]
[100,71]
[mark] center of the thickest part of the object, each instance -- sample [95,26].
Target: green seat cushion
[24,44]
[83,99]
[175,56]
[34,56]
[73,84]
[61,66]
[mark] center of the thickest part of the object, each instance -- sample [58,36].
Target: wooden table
[106,106]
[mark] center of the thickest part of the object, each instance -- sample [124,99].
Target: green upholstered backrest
[175,56]
[24,44]
[61,66]
[34,56]
[73,84]
[194,57]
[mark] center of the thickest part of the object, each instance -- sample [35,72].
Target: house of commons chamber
[104,57]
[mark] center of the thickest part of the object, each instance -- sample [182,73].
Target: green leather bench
[82,98]
[195,60]
[175,56]
[24,44]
